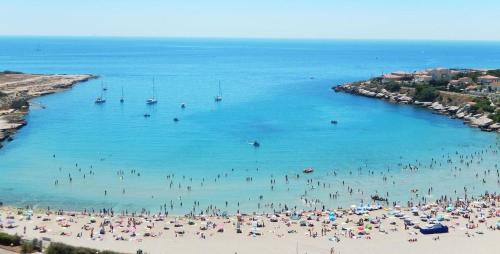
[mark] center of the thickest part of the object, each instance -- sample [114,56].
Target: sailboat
[218,97]
[121,99]
[152,100]
[101,99]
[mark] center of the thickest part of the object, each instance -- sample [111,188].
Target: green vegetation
[495,73]
[495,116]
[8,240]
[10,72]
[425,93]
[473,75]
[31,246]
[439,84]
[392,87]
[482,105]
[60,248]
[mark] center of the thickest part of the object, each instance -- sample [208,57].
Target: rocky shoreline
[17,89]
[458,108]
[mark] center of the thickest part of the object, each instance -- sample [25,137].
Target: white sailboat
[122,99]
[152,100]
[101,99]
[218,97]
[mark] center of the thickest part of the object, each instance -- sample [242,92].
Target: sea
[75,154]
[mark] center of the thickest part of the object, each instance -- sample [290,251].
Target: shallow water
[274,91]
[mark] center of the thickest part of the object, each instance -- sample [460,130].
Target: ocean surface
[277,92]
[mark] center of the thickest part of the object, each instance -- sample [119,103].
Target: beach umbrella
[332,216]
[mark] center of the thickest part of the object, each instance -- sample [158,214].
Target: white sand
[274,239]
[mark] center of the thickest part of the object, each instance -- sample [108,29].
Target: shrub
[31,246]
[10,72]
[495,116]
[425,93]
[482,105]
[392,87]
[60,248]
[27,247]
[6,239]
[494,72]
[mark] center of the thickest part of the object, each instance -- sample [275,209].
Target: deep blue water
[274,91]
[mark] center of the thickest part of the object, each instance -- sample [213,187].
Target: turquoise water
[274,91]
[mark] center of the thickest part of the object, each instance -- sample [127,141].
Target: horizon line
[250,38]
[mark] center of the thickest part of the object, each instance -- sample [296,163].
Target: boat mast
[220,91]
[102,89]
[153,88]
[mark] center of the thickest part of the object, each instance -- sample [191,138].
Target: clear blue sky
[356,19]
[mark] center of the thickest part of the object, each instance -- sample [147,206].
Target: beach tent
[434,229]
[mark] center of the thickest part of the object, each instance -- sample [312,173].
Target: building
[422,78]
[442,74]
[465,81]
[489,82]
[388,78]
[488,79]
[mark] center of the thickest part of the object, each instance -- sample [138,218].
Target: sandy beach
[473,227]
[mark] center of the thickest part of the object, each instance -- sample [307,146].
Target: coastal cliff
[17,89]
[475,101]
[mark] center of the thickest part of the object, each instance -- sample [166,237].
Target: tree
[425,93]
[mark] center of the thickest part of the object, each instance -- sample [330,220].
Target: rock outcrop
[16,89]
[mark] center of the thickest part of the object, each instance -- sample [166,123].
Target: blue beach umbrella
[332,216]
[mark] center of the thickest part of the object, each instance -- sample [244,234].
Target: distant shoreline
[467,94]
[16,91]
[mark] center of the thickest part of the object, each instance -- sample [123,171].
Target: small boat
[147,115]
[121,99]
[308,170]
[256,144]
[183,105]
[101,99]
[176,119]
[103,87]
[333,122]
[152,100]
[218,97]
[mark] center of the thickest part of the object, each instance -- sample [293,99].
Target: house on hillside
[441,74]
[490,82]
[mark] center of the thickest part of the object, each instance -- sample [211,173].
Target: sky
[321,19]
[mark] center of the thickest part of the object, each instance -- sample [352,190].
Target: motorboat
[308,170]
